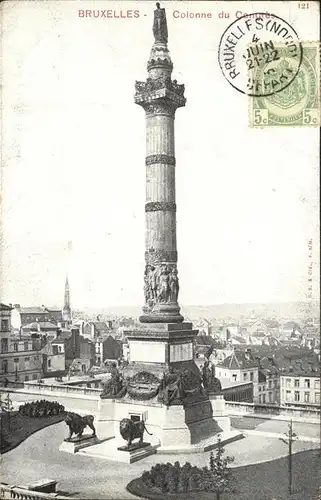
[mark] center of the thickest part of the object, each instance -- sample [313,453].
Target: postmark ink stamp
[249,57]
[296,105]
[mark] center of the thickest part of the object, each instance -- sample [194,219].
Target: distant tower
[66,312]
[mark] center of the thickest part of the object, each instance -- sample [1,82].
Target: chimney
[75,338]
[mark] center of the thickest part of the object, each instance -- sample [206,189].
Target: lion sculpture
[130,430]
[77,424]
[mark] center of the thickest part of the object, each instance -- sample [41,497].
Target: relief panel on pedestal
[161,284]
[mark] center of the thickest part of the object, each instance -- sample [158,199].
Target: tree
[221,473]
[6,406]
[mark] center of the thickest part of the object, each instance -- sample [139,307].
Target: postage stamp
[296,105]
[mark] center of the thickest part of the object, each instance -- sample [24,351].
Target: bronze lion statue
[77,424]
[130,430]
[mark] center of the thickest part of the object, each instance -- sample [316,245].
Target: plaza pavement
[305,431]
[87,477]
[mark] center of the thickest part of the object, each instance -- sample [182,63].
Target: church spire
[66,312]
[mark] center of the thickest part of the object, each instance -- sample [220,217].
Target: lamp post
[290,437]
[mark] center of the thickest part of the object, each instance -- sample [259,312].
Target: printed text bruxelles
[109,14]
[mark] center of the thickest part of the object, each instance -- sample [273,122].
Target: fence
[65,389]
[253,408]
[15,492]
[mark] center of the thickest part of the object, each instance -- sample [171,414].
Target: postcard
[159,264]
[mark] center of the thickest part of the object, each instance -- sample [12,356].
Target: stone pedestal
[155,347]
[111,450]
[175,429]
[76,444]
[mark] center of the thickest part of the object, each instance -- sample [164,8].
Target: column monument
[163,339]
[160,97]
[161,385]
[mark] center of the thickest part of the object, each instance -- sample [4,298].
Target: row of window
[57,349]
[303,397]
[4,326]
[4,366]
[25,378]
[270,385]
[307,383]
[264,399]
[26,346]
[245,376]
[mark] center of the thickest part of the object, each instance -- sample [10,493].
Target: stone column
[160,96]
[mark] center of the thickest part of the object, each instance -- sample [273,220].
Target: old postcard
[159,252]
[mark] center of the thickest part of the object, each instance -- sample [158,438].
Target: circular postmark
[251,58]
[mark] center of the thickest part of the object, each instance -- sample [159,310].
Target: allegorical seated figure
[171,388]
[77,424]
[210,382]
[115,385]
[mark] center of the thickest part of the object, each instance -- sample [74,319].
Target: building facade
[23,360]
[269,386]
[20,357]
[300,389]
[107,348]
[54,359]
[24,316]
[240,367]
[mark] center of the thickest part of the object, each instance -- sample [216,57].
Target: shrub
[175,478]
[41,408]
[186,478]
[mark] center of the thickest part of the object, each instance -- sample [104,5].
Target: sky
[73,162]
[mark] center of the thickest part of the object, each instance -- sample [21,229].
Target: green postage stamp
[299,103]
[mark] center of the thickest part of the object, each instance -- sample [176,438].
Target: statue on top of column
[160,25]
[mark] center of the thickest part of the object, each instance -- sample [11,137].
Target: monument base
[203,445]
[75,444]
[155,347]
[133,446]
[112,450]
[194,427]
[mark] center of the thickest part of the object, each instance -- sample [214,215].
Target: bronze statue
[163,285]
[206,375]
[130,430]
[77,424]
[171,387]
[160,25]
[173,285]
[210,382]
[115,385]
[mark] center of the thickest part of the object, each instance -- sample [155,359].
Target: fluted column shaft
[160,239]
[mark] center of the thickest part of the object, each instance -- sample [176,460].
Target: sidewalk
[278,435]
[266,416]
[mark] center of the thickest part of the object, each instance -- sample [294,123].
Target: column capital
[160,95]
